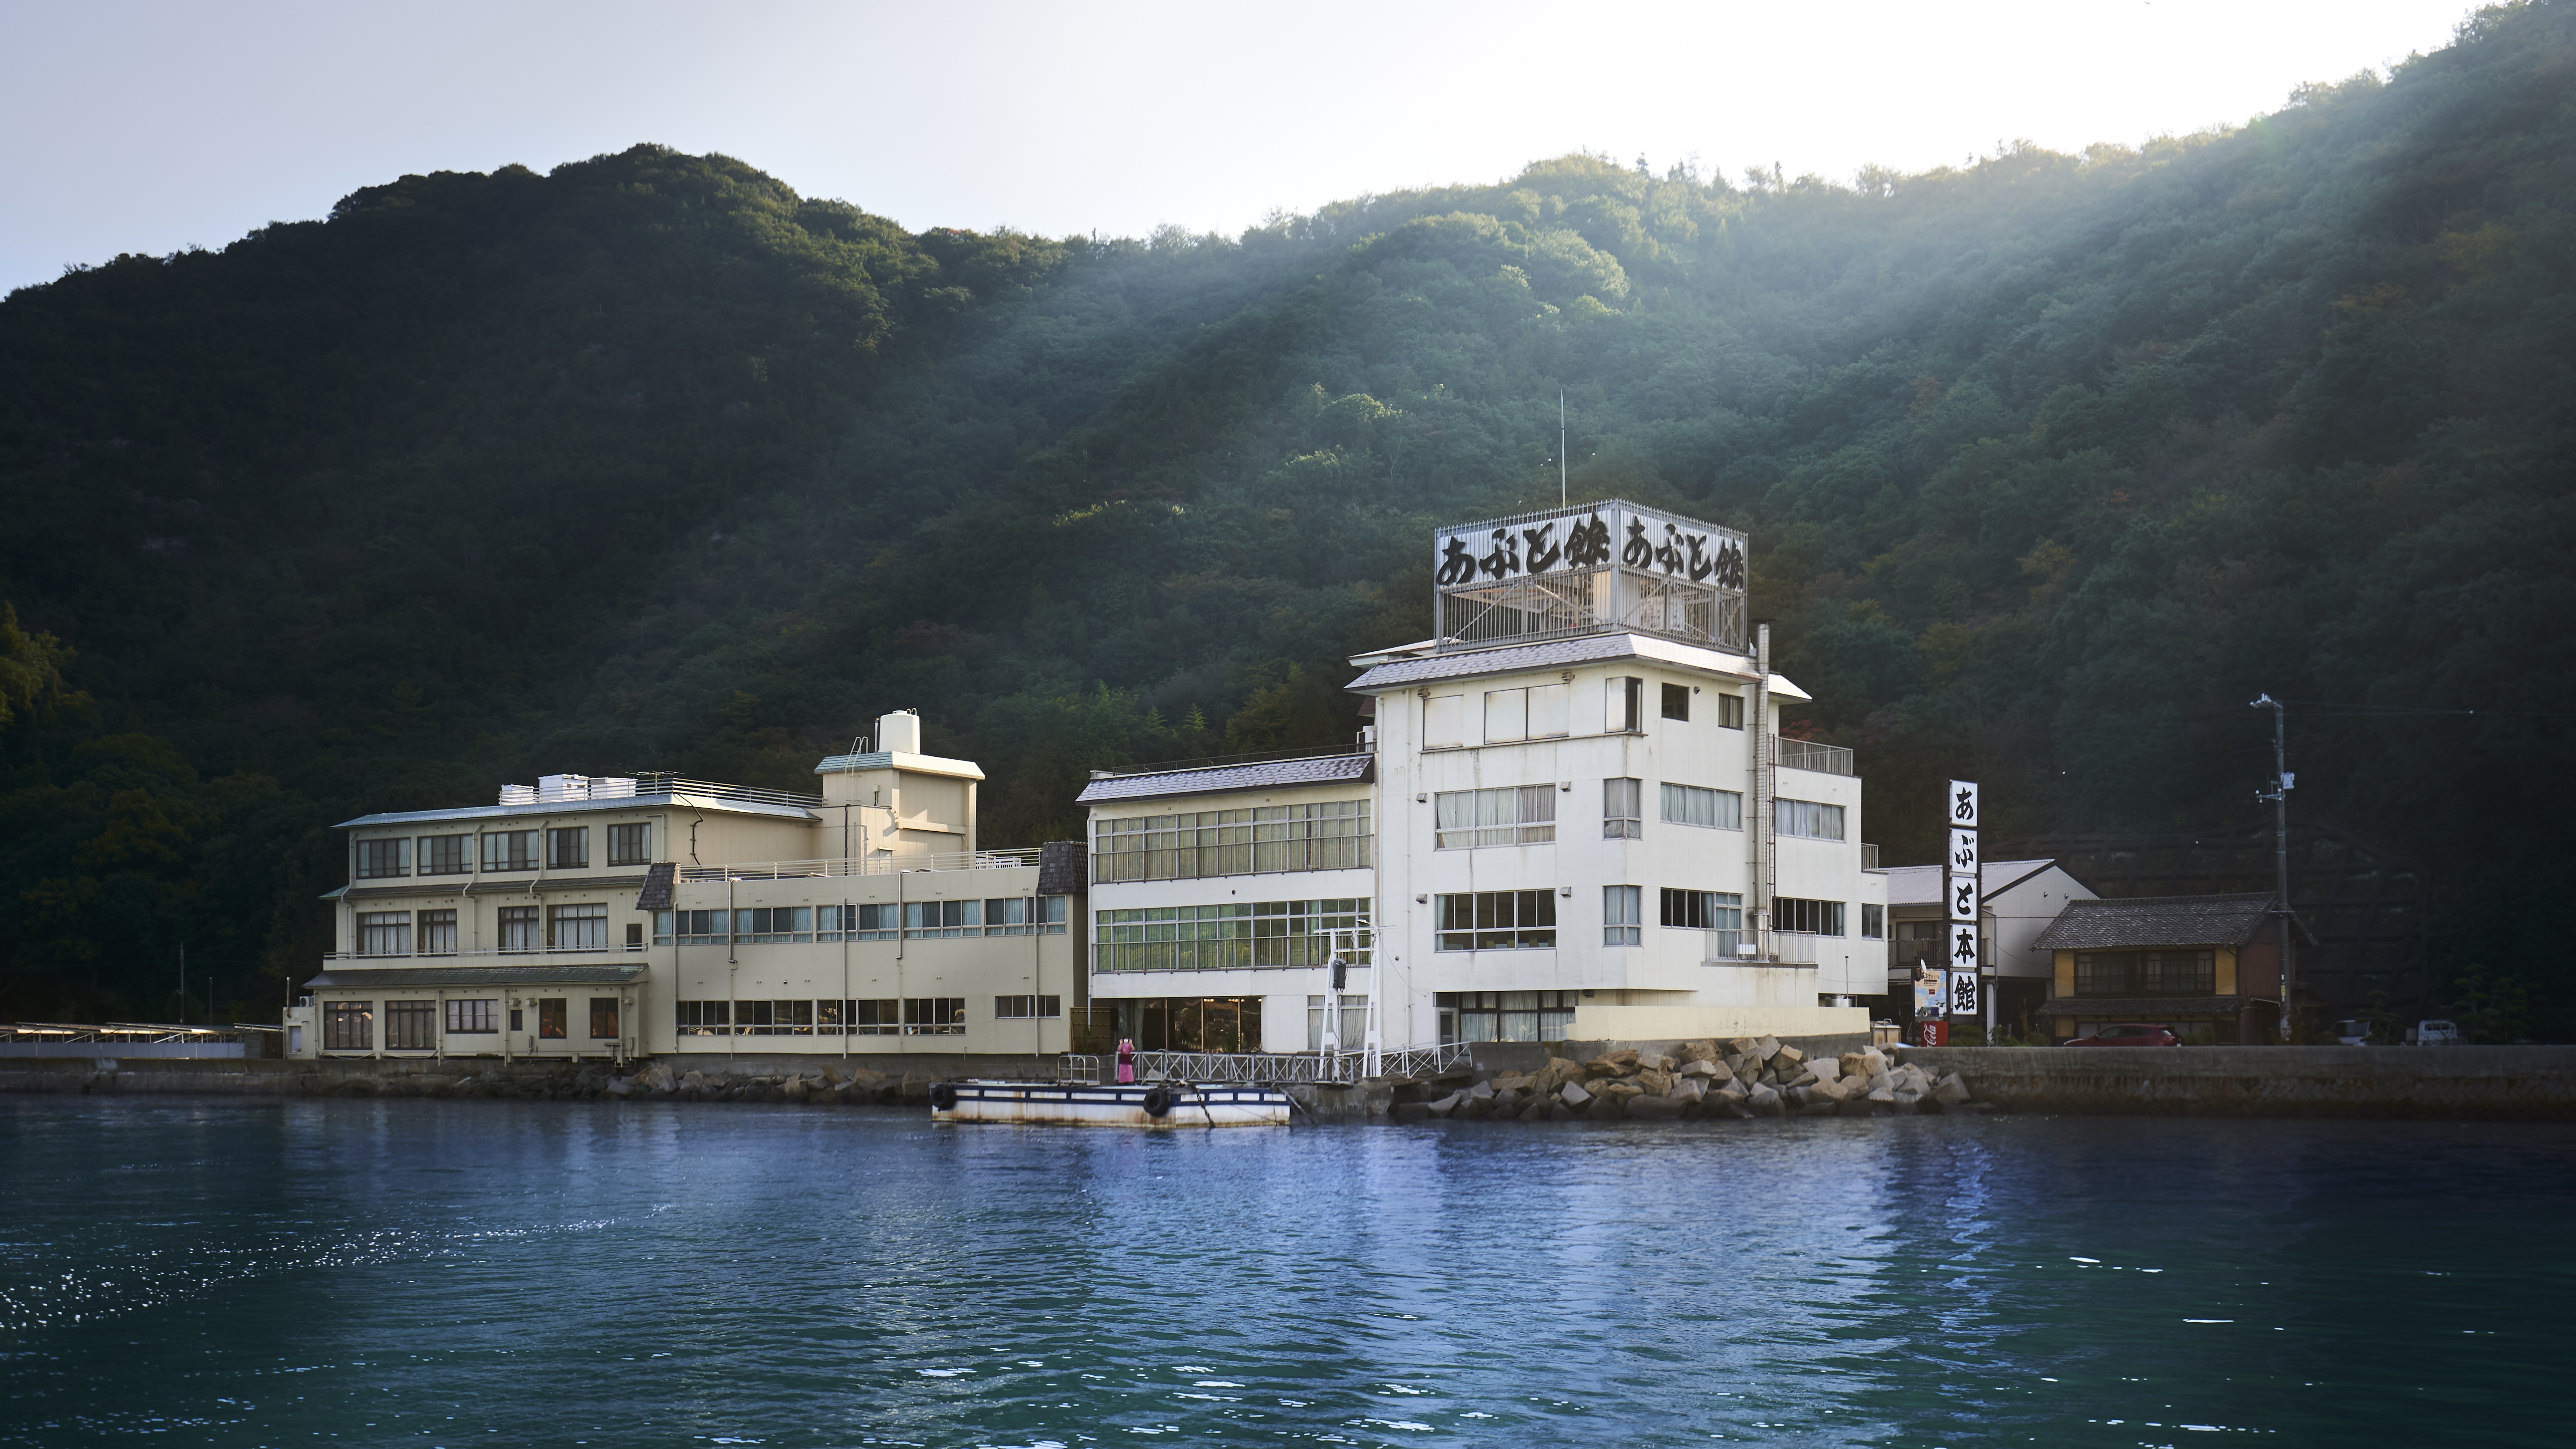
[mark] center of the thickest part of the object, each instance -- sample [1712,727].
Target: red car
[2127,1033]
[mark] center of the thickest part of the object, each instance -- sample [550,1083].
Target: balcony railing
[865,865]
[361,958]
[1279,1067]
[1808,755]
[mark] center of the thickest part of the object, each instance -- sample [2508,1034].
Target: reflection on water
[450,1272]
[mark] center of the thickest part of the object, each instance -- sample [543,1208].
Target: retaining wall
[2536,1083]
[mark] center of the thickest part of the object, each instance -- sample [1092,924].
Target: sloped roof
[1267,775]
[2156,921]
[1920,885]
[1556,654]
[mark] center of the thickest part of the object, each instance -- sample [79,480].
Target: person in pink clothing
[1126,1061]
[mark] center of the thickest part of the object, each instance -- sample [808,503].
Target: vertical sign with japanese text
[1962,887]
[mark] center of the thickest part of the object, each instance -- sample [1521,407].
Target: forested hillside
[2051,463]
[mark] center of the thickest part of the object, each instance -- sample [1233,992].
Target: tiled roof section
[1269,775]
[1587,649]
[2156,921]
[425,978]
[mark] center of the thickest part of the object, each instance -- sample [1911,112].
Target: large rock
[1764,1102]
[1857,1064]
[1767,1048]
[1481,1092]
[1788,1056]
[1446,1105]
[1573,1095]
[1742,1046]
[1907,1100]
[1690,1088]
[1950,1091]
[1701,1069]
[1703,1050]
[796,1090]
[1539,1108]
[1656,1081]
[1617,1091]
[1621,1063]
[1511,1081]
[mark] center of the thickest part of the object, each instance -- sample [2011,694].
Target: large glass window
[1349,1033]
[380,858]
[411,1026]
[695,928]
[943,918]
[630,844]
[1623,915]
[579,928]
[1620,811]
[384,933]
[1873,920]
[1719,911]
[349,1026]
[1807,818]
[522,928]
[774,925]
[1509,815]
[553,1017]
[934,1016]
[704,1018]
[438,933]
[1711,809]
[1506,1015]
[603,1018]
[1022,1008]
[1813,918]
[1535,713]
[445,854]
[1677,701]
[474,1018]
[1497,921]
[1264,840]
[568,847]
[510,850]
[1227,937]
[773,1018]
[2146,973]
[880,1017]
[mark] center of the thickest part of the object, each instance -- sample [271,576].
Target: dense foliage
[2051,463]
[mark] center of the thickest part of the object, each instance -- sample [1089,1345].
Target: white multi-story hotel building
[1573,818]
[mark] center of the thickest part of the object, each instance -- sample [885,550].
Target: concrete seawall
[2495,1083]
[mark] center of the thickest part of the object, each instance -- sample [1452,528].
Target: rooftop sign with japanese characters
[1590,569]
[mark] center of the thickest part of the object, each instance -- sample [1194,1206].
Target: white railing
[1279,1067]
[1808,755]
[866,865]
[1774,948]
[363,957]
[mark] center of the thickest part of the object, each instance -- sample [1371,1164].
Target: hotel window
[1873,920]
[580,928]
[1510,815]
[603,1018]
[521,928]
[773,1018]
[1263,840]
[349,1026]
[568,847]
[695,928]
[510,850]
[634,935]
[774,925]
[1505,1015]
[943,918]
[1719,911]
[1497,921]
[1807,818]
[1624,706]
[2146,973]
[1620,809]
[1444,722]
[1711,809]
[1022,1008]
[1006,916]
[1350,1033]
[384,933]
[1677,701]
[1534,713]
[411,1026]
[445,854]
[704,1018]
[630,844]
[473,1018]
[438,933]
[881,1017]
[1229,937]
[1730,711]
[1808,918]
[853,923]
[380,858]
[1623,915]
[552,1015]
[934,1016]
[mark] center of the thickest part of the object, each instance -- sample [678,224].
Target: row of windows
[1526,814]
[864,1016]
[2146,973]
[1228,937]
[566,848]
[1511,815]
[793,925]
[413,1026]
[1541,712]
[1505,1015]
[522,928]
[1525,920]
[1263,840]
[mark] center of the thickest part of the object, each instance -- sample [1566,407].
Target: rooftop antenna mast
[1560,447]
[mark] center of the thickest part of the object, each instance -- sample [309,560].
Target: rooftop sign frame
[1592,568]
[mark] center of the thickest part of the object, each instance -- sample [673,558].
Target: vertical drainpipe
[1759,915]
[733,1007]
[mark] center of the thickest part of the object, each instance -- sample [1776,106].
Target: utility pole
[2278,797]
[1560,448]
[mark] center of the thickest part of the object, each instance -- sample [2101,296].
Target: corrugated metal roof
[415,978]
[2156,921]
[1273,774]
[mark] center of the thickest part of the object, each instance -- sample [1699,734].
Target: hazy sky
[127,125]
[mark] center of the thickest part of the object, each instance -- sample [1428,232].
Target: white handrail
[866,865]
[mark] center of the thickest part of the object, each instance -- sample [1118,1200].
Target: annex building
[623,917]
[1572,816]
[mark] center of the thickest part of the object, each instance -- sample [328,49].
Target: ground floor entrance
[1190,1023]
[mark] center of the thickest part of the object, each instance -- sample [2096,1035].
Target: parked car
[2437,1033]
[2352,1033]
[2129,1034]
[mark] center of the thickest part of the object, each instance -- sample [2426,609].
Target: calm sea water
[451,1273]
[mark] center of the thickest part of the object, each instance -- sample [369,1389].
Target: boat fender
[1158,1101]
[943,1097]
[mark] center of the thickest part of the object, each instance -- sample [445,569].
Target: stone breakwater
[1743,1077]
